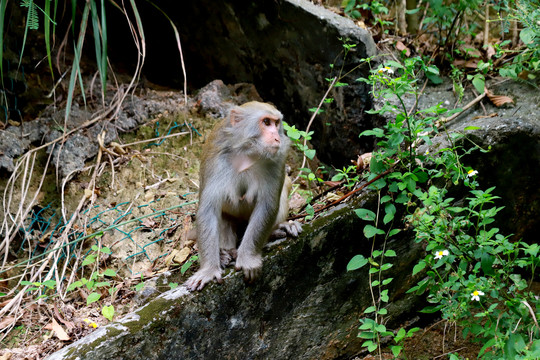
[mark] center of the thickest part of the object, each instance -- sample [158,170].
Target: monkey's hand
[290,228]
[202,277]
[251,264]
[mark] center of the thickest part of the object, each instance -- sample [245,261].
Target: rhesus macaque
[243,187]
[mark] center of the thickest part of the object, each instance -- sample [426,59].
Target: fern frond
[32,21]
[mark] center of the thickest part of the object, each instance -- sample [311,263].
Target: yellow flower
[90,323]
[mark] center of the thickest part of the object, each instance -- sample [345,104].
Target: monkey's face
[269,126]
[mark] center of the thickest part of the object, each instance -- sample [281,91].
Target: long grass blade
[100,42]
[178,44]
[3,4]
[76,70]
[47,33]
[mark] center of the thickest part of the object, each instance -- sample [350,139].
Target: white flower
[386,69]
[439,254]
[472,173]
[476,295]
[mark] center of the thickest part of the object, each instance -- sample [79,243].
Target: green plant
[348,175]
[527,61]
[42,288]
[189,262]
[377,8]
[299,140]
[96,280]
[473,274]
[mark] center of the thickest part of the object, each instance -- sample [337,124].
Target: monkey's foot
[290,228]
[251,265]
[202,277]
[226,256]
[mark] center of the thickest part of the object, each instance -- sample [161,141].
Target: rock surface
[305,306]
[285,48]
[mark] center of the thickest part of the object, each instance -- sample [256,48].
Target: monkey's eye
[266,121]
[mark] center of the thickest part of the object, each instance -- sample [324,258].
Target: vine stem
[312,119]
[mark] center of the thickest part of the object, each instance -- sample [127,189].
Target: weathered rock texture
[512,136]
[305,306]
[285,48]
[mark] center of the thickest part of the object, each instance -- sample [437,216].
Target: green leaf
[370,231]
[310,154]
[50,283]
[400,335]
[468,128]
[365,214]
[366,335]
[393,232]
[419,267]
[479,83]
[390,253]
[356,262]
[431,309]
[487,261]
[105,250]
[369,310]
[173,285]
[527,36]
[390,210]
[109,272]
[108,312]
[139,286]
[93,297]
[90,259]
[74,285]
[373,132]
[396,350]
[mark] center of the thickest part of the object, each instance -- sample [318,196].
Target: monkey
[243,187]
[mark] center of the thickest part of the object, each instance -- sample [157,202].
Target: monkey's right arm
[208,225]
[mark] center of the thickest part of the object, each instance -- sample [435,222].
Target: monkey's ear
[236,115]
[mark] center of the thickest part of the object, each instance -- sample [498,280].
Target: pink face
[269,126]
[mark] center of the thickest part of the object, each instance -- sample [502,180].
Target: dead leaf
[401,46]
[363,161]
[6,356]
[58,330]
[332,183]
[499,100]
[6,321]
[88,193]
[182,255]
[471,64]
[490,52]
[149,223]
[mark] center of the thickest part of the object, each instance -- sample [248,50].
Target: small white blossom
[439,254]
[476,295]
[472,173]
[386,69]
